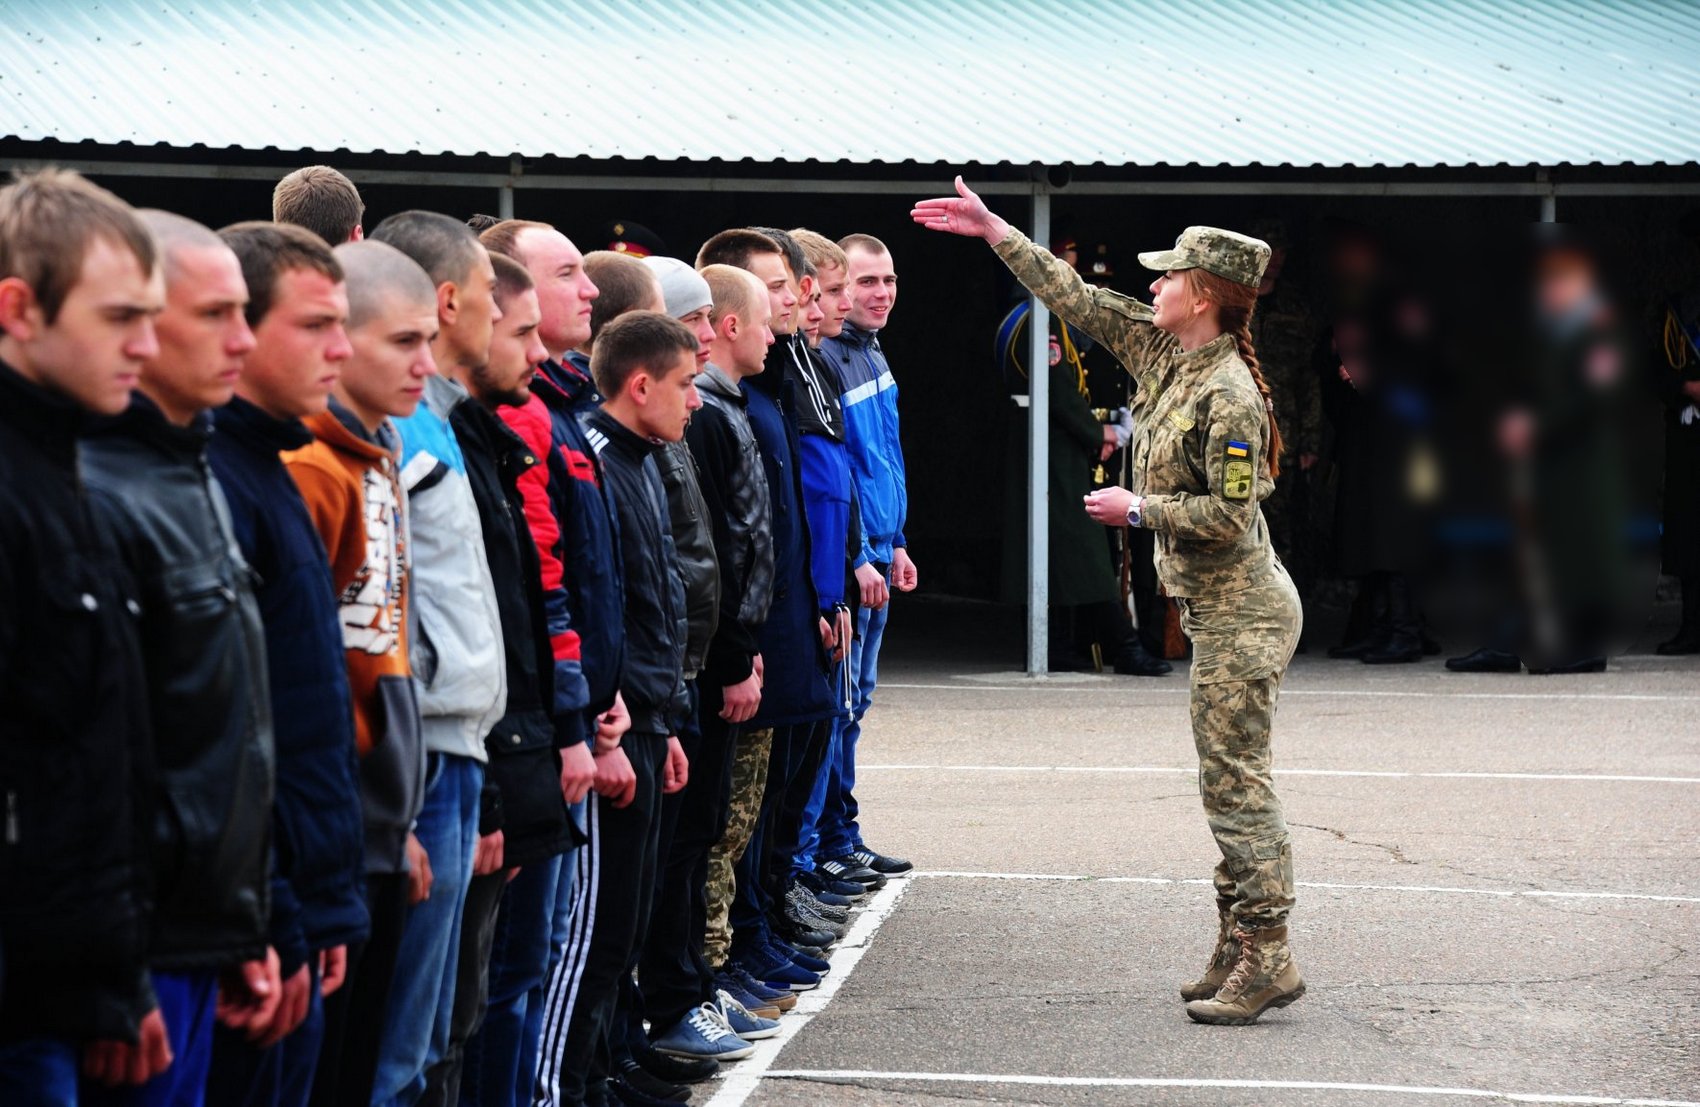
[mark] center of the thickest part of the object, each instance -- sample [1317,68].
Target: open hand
[964,214]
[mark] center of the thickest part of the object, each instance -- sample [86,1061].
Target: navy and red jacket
[577,532]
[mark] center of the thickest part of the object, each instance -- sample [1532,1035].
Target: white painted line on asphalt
[1372,693]
[1437,889]
[829,1075]
[743,1076]
[1389,774]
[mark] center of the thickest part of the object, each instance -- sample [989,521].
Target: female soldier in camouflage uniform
[1205,448]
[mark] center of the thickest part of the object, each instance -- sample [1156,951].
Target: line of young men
[300,828]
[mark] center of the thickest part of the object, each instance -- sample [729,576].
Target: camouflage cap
[1227,254]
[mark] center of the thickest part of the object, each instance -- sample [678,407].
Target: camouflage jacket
[1199,430]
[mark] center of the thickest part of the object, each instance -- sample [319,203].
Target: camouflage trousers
[749,783]
[1242,642]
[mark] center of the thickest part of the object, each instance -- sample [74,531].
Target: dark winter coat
[73,742]
[694,541]
[318,882]
[653,682]
[522,778]
[794,684]
[734,486]
[204,655]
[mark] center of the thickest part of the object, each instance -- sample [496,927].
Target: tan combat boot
[1222,959]
[1265,977]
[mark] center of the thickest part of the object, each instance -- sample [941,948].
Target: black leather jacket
[73,742]
[734,486]
[203,649]
[652,683]
[693,538]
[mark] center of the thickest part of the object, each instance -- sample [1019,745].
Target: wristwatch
[1135,511]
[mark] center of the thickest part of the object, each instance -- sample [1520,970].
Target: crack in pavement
[1395,852]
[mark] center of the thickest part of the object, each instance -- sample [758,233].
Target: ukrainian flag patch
[1238,449]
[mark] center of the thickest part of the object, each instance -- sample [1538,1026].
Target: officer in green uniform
[1205,455]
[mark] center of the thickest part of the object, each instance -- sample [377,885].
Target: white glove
[1123,426]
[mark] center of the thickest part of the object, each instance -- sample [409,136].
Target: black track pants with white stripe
[613,873]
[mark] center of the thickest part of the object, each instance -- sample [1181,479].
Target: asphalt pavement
[1498,897]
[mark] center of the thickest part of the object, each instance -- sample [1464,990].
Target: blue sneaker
[702,1036]
[782,998]
[725,985]
[739,1020]
[770,968]
[817,965]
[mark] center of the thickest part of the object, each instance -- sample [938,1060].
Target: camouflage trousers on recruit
[1242,643]
[749,784]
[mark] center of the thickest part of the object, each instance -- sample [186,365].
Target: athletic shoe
[741,1021]
[885,866]
[725,985]
[849,869]
[818,884]
[801,896]
[674,1070]
[769,968]
[782,998]
[820,966]
[622,1092]
[641,1079]
[700,1036]
[802,915]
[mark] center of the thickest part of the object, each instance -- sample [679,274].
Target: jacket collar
[341,431]
[715,380]
[1216,350]
[491,436]
[144,422]
[619,435]
[252,426]
[562,387]
[49,421]
[856,336]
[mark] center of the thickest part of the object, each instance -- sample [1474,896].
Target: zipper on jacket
[13,831]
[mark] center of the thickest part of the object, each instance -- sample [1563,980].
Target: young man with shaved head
[296,307]
[876,456]
[457,659]
[204,657]
[350,479]
[79,291]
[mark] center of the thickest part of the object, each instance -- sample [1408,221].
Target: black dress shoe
[1134,661]
[1353,651]
[1395,652]
[674,1070]
[1568,668]
[1486,661]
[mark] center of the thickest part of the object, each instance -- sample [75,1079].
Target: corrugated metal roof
[1121,82]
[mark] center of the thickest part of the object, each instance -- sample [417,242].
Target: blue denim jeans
[186,1001]
[501,1056]
[422,994]
[38,1072]
[839,833]
[282,1076]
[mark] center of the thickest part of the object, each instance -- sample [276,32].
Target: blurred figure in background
[1679,388]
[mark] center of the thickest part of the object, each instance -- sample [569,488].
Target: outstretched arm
[1119,322]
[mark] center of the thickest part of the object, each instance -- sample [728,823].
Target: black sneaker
[637,1077]
[819,885]
[848,868]
[879,863]
[1486,660]
[621,1091]
[801,936]
[674,1070]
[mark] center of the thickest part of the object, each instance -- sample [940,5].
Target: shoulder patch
[1238,476]
[1238,449]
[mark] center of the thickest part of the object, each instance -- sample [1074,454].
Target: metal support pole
[505,194]
[1549,197]
[1038,456]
